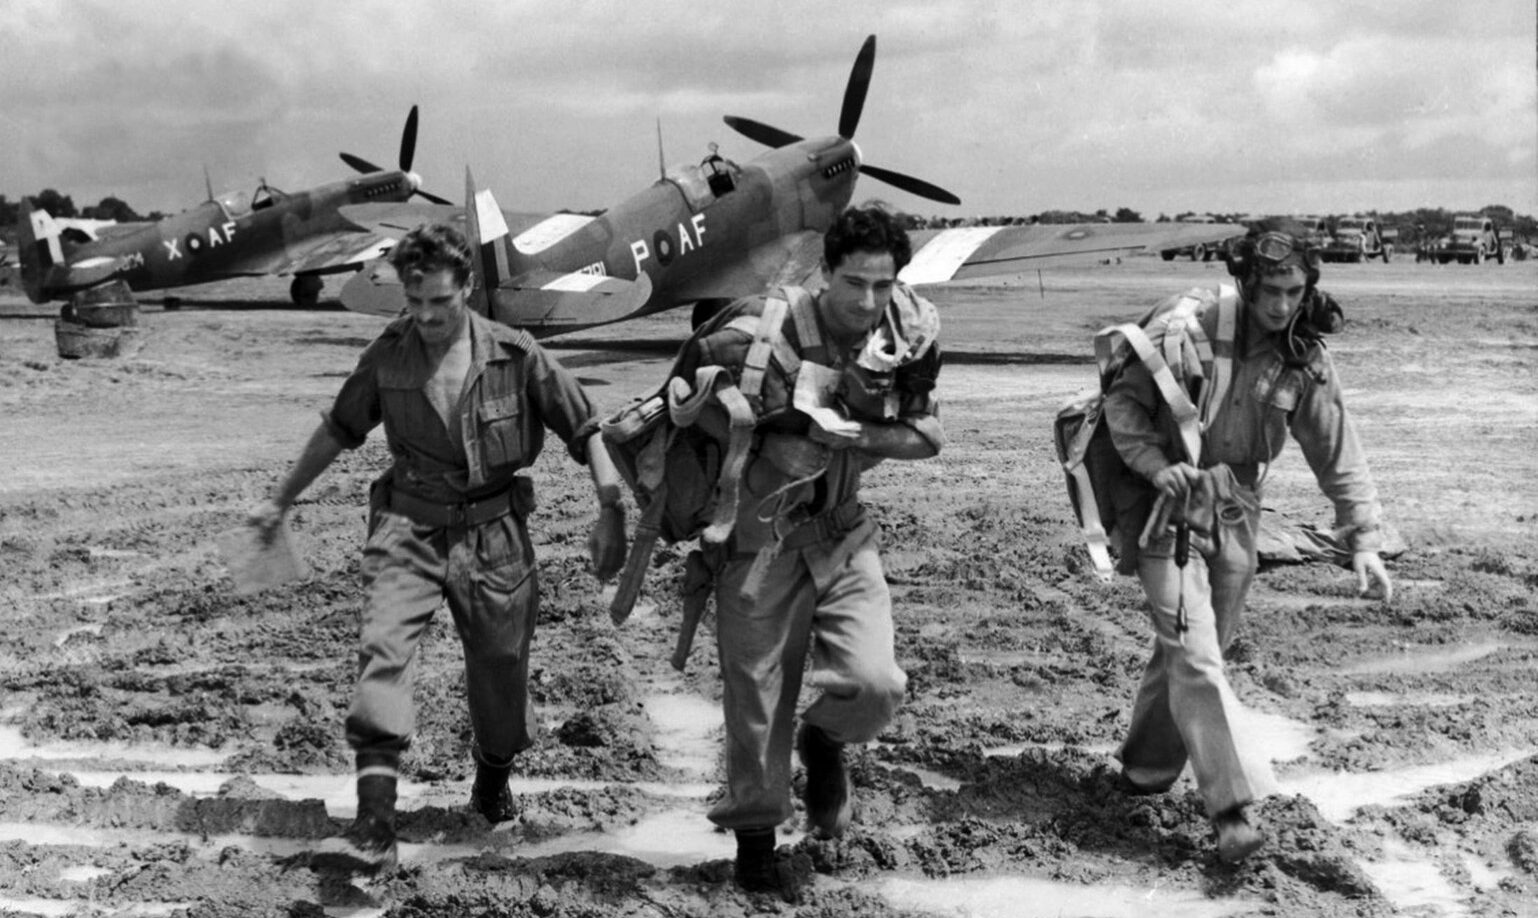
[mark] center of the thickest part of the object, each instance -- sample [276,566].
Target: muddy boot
[757,870]
[370,840]
[490,794]
[829,795]
[1238,835]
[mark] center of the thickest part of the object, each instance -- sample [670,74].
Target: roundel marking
[194,243]
[662,244]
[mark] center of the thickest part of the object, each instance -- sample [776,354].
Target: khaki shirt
[513,391]
[1266,400]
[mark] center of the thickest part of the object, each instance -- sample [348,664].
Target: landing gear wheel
[305,290]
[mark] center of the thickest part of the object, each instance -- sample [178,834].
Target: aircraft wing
[395,220]
[327,253]
[986,251]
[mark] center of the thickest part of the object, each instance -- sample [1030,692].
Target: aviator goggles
[1275,247]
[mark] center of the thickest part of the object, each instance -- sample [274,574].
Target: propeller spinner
[407,154]
[848,120]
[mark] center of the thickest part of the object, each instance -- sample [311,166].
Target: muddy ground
[170,748]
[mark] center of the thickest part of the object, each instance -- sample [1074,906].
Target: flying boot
[1238,835]
[490,794]
[829,794]
[370,840]
[758,870]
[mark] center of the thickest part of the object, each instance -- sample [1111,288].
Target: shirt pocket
[1279,393]
[501,431]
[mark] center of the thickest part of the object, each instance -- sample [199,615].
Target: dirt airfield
[170,748]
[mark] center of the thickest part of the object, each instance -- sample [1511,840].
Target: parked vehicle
[1474,239]
[1356,239]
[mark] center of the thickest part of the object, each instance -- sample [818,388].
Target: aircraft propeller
[407,154]
[848,120]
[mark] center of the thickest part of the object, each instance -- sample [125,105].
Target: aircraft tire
[305,290]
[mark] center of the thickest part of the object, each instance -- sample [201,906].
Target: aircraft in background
[230,235]
[709,233]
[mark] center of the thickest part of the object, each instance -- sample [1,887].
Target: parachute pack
[682,449]
[1110,501]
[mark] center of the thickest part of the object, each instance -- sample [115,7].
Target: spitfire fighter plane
[708,233]
[229,235]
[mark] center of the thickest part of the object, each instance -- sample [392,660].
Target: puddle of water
[82,874]
[13,746]
[1003,897]
[1338,796]
[667,839]
[63,908]
[932,779]
[1420,699]
[687,728]
[1482,875]
[1414,884]
[1014,749]
[1424,659]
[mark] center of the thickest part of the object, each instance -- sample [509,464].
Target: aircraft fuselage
[229,236]
[690,240]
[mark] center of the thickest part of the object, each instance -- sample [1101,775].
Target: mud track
[170,748]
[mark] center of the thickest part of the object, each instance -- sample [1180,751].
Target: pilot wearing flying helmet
[1270,376]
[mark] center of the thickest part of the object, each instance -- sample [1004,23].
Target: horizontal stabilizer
[540,302]
[548,302]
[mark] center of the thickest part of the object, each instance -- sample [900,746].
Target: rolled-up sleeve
[356,409]
[560,401]
[1328,438]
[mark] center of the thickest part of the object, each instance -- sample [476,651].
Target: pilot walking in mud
[1197,557]
[801,570]
[464,402]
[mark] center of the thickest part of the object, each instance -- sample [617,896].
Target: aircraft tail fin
[485,227]
[37,241]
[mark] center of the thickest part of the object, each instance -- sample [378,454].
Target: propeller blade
[910,184]
[359,163]
[431,197]
[763,133]
[854,93]
[409,140]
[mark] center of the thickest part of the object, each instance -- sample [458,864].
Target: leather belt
[807,529]
[461,515]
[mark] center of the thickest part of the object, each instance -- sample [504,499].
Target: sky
[1017,106]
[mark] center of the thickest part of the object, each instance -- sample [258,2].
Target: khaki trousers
[486,574]
[1185,708]
[830,598]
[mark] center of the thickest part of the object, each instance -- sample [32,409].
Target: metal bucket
[99,322]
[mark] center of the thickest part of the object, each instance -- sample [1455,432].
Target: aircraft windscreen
[235,203]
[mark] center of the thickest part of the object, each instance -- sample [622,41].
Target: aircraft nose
[415,180]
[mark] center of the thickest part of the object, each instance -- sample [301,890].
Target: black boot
[829,796]
[490,794]
[370,841]
[757,868]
